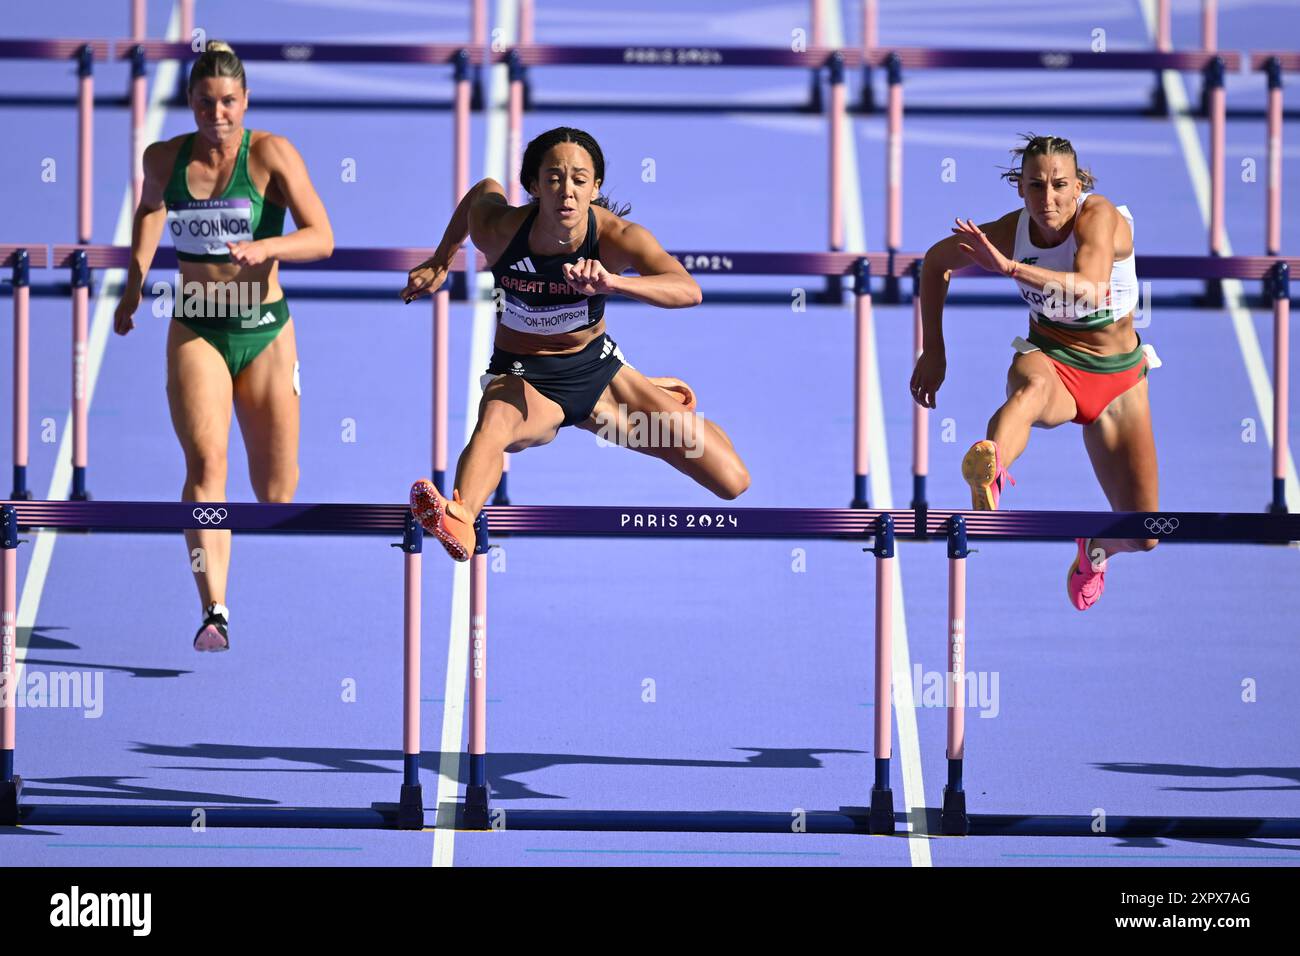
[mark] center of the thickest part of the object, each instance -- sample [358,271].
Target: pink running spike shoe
[1086,580]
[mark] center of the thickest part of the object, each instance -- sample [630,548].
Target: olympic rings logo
[209,515]
[1162,525]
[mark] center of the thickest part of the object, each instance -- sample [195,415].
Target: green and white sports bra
[200,228]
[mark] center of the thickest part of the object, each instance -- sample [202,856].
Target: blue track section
[685,676]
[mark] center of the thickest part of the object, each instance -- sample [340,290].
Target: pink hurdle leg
[1209,25]
[514,148]
[836,197]
[463,97]
[1164,27]
[920,414]
[894,159]
[882,797]
[441,310]
[514,137]
[1282,383]
[10,786]
[85,144]
[870,25]
[138,22]
[137,128]
[476,792]
[460,182]
[187,20]
[525,22]
[478,24]
[1215,104]
[953,820]
[1218,121]
[861,408]
[80,396]
[22,387]
[1273,240]
[411,802]
[894,172]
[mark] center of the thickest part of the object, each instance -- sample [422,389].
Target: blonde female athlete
[1070,253]
[221,193]
[554,261]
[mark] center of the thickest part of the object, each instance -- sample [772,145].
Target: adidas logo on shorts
[608,347]
[267,319]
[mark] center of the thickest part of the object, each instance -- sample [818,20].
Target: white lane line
[105,303]
[1233,294]
[909,746]
[453,708]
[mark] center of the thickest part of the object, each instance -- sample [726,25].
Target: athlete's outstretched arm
[475,217]
[146,233]
[936,271]
[1094,231]
[940,261]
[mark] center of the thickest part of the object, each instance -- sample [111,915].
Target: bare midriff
[525,343]
[1117,338]
[265,277]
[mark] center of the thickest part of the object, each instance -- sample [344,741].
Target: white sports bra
[1060,310]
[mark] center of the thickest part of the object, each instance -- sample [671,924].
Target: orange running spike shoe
[430,509]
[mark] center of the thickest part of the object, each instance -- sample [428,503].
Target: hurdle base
[893,293]
[1159,105]
[1212,297]
[378,816]
[79,492]
[833,293]
[1057,825]
[867,101]
[1278,505]
[499,497]
[476,90]
[474,815]
[860,494]
[953,819]
[21,492]
[410,808]
[458,288]
[11,792]
[815,103]
[846,820]
[881,819]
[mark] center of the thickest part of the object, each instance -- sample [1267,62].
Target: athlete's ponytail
[217,60]
[1045,146]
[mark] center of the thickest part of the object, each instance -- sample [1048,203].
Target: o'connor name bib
[200,228]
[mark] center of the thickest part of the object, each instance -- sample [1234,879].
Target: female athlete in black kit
[554,262]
